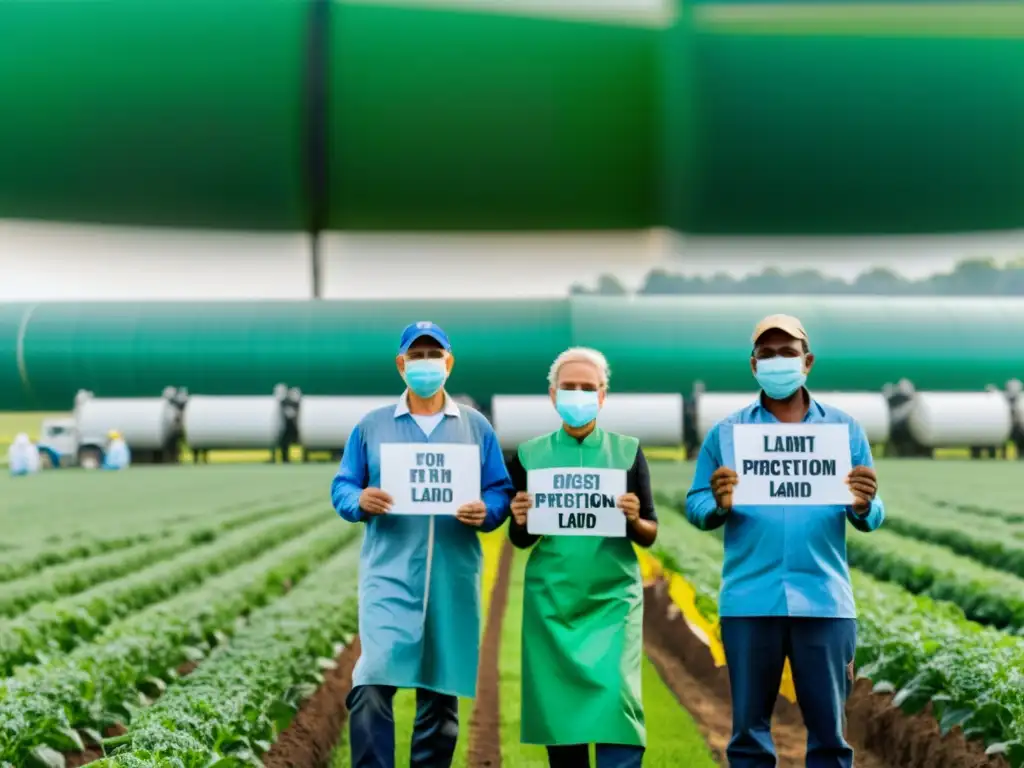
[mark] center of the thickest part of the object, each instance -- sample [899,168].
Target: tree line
[972,277]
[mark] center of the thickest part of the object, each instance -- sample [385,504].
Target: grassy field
[110,582]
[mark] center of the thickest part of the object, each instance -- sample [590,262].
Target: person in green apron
[583,596]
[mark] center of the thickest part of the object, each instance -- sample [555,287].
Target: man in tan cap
[785,581]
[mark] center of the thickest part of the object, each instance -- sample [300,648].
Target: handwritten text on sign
[430,479]
[792,464]
[576,502]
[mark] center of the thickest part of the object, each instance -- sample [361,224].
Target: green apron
[582,617]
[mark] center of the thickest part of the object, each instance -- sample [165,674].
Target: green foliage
[58,626]
[78,575]
[230,710]
[986,595]
[972,277]
[108,680]
[923,650]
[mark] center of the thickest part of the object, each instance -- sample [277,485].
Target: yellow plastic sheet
[684,597]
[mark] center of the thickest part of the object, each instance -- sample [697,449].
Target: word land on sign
[576,502]
[430,479]
[792,464]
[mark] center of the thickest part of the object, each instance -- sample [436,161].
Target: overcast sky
[41,262]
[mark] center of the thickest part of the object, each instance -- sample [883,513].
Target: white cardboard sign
[791,464]
[430,478]
[573,501]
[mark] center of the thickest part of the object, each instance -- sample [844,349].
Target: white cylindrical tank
[712,407]
[960,419]
[145,423]
[325,422]
[656,419]
[869,409]
[222,422]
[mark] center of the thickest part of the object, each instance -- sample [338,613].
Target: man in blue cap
[419,576]
[785,581]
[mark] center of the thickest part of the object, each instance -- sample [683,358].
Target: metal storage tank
[960,419]
[216,422]
[130,349]
[869,409]
[653,343]
[712,407]
[654,419]
[667,343]
[146,423]
[13,396]
[326,422]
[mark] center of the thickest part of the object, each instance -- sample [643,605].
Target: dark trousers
[371,724]
[608,756]
[820,653]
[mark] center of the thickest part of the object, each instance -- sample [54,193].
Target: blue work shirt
[780,560]
[419,576]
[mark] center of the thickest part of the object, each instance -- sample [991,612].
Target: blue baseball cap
[418,330]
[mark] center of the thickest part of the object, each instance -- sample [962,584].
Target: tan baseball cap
[785,323]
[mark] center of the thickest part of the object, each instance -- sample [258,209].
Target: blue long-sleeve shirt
[419,576]
[781,560]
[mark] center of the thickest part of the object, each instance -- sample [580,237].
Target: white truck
[151,426]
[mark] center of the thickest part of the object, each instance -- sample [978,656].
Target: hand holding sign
[793,464]
[374,501]
[630,506]
[520,506]
[864,484]
[723,480]
[472,514]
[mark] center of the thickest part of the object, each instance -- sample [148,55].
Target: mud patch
[92,751]
[309,740]
[485,722]
[905,740]
[881,734]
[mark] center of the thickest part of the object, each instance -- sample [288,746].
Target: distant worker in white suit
[22,456]
[118,456]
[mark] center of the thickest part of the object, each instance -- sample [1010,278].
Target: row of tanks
[899,421]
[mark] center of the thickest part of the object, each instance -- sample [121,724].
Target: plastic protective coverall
[22,456]
[118,456]
[419,577]
[582,617]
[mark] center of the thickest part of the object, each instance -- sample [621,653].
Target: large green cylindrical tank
[665,344]
[730,118]
[12,392]
[154,112]
[245,348]
[654,344]
[443,119]
[826,117]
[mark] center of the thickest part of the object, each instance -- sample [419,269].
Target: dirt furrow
[309,740]
[882,735]
[485,723]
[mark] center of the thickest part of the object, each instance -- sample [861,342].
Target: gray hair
[580,355]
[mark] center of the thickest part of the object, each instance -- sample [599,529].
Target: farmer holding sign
[583,496]
[423,476]
[783,476]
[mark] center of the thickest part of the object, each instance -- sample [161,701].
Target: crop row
[233,707]
[58,626]
[1000,549]
[76,576]
[106,681]
[27,560]
[986,595]
[924,650]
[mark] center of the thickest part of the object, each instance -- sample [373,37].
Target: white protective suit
[22,456]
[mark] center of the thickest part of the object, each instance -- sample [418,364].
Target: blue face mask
[576,407]
[780,377]
[425,377]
